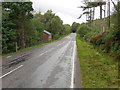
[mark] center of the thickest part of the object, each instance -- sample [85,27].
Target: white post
[16,46]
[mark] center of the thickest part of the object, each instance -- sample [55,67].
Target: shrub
[98,38]
[83,30]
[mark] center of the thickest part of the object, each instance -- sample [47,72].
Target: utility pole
[118,14]
[108,14]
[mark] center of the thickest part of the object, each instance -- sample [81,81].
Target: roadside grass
[98,70]
[34,46]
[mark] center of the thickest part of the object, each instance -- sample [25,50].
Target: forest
[22,28]
[103,33]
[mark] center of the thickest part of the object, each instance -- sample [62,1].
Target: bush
[98,38]
[83,30]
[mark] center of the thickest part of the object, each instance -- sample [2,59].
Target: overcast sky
[66,9]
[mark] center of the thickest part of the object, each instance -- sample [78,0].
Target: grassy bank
[28,48]
[98,70]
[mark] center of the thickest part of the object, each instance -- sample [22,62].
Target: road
[54,65]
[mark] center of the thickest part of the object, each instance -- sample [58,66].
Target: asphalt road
[50,66]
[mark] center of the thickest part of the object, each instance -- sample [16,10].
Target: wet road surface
[50,66]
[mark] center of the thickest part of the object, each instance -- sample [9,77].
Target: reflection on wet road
[49,66]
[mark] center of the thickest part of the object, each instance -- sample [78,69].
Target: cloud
[66,9]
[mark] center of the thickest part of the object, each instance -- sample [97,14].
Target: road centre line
[41,54]
[8,56]
[11,71]
[59,44]
[46,51]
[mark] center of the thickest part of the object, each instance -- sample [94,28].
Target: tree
[96,4]
[67,28]
[93,5]
[33,29]
[9,33]
[48,17]
[15,16]
[88,10]
[108,14]
[0,28]
[19,13]
[117,12]
[55,26]
[74,27]
[90,13]
[116,18]
[101,3]
[40,16]
[22,29]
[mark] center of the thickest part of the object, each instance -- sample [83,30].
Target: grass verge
[28,48]
[98,70]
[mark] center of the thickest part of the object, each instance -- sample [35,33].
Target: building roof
[47,32]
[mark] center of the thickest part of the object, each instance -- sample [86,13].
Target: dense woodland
[22,28]
[103,33]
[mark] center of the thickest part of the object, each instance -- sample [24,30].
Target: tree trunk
[86,17]
[108,14]
[93,16]
[104,17]
[93,12]
[90,16]
[22,36]
[100,11]
[118,15]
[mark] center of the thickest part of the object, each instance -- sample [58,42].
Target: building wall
[46,37]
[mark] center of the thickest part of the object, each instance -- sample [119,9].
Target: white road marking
[46,51]
[49,50]
[41,54]
[58,45]
[10,71]
[72,61]
[8,56]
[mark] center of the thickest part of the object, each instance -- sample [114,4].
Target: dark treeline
[21,28]
[103,33]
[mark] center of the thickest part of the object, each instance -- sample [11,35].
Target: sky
[67,10]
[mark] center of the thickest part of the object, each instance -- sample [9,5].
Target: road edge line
[72,76]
